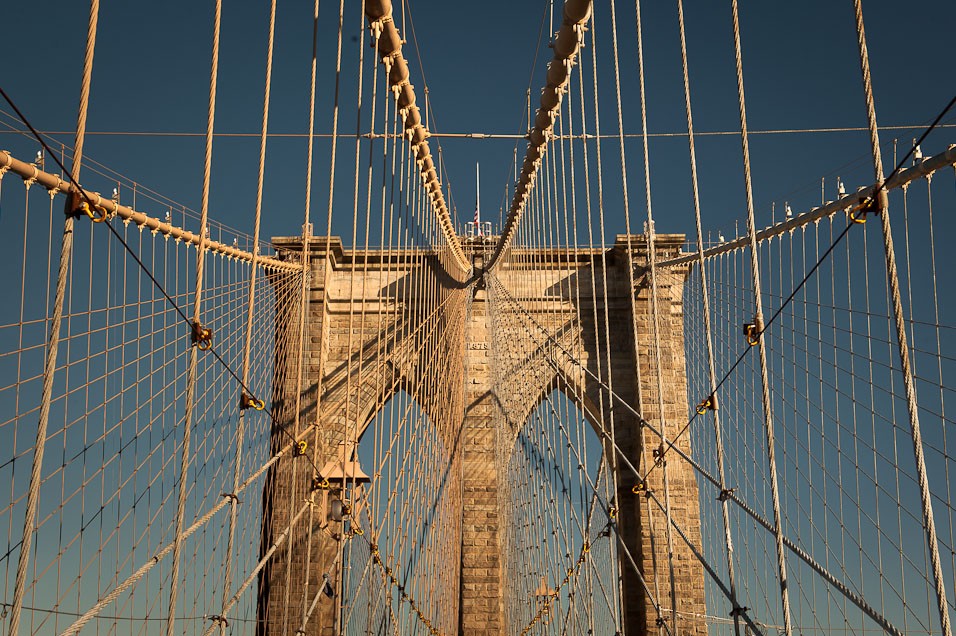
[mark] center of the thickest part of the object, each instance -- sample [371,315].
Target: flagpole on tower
[478,199]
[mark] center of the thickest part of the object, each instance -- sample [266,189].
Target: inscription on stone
[478,346]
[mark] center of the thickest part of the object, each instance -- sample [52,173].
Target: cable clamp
[319,483]
[752,331]
[725,494]
[870,205]
[249,402]
[77,205]
[659,455]
[231,495]
[738,611]
[659,621]
[639,487]
[709,403]
[201,336]
[612,512]
[300,447]
[218,619]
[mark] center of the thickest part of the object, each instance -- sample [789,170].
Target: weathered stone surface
[352,316]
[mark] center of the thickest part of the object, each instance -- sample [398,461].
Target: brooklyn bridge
[330,394]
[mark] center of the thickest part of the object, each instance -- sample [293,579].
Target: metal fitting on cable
[218,619]
[870,205]
[725,494]
[249,402]
[659,455]
[709,403]
[300,447]
[77,205]
[201,336]
[752,331]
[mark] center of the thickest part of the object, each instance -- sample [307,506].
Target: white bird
[917,154]
[720,237]
[789,211]
[841,189]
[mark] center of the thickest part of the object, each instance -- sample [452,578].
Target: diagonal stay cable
[863,209]
[700,470]
[77,187]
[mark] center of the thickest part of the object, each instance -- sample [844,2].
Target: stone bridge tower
[477,332]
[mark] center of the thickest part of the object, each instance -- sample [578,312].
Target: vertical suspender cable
[758,319]
[197,303]
[655,320]
[247,345]
[708,334]
[306,238]
[349,411]
[929,522]
[627,223]
[49,365]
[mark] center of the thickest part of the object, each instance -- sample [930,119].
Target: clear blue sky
[800,63]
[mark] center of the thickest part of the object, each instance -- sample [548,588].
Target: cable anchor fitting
[709,403]
[249,402]
[659,455]
[725,494]
[752,331]
[869,205]
[639,487]
[78,205]
[738,611]
[218,619]
[319,483]
[201,336]
[300,447]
